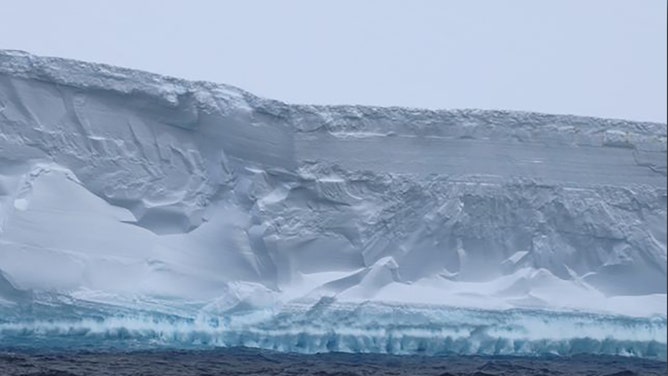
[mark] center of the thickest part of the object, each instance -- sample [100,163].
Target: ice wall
[117,183]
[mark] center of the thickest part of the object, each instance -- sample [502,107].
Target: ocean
[249,361]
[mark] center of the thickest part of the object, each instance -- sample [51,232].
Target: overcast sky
[588,57]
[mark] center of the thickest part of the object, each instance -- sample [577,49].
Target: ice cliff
[128,188]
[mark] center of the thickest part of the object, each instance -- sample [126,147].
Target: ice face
[343,327]
[136,190]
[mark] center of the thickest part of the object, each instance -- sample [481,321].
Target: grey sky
[589,57]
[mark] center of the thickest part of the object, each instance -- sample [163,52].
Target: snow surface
[130,189]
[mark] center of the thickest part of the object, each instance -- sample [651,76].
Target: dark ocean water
[245,361]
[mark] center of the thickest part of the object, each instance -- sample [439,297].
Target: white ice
[120,186]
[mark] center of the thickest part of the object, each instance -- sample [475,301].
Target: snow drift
[131,190]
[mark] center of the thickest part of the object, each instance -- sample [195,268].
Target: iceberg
[139,206]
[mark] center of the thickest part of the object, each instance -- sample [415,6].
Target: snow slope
[129,189]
